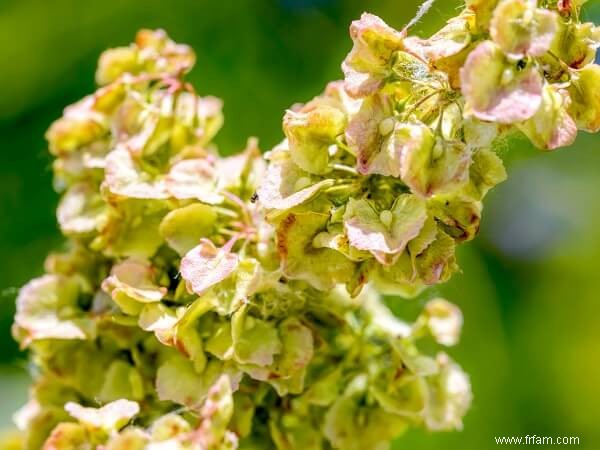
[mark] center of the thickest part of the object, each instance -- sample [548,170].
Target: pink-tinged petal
[551,127]
[368,64]
[132,283]
[286,185]
[361,84]
[447,42]
[366,230]
[439,167]
[81,209]
[365,138]
[47,308]
[193,179]
[546,27]
[566,132]
[495,90]
[520,29]
[124,177]
[205,265]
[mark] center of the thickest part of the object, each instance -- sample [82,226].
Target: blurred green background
[531,282]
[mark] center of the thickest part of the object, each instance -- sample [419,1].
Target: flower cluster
[170,322]
[214,303]
[383,175]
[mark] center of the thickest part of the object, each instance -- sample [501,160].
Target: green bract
[211,303]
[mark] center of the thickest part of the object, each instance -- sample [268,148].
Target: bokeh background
[530,287]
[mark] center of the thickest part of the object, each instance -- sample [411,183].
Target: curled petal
[551,127]
[205,265]
[495,91]
[438,262]
[131,284]
[369,62]
[159,319]
[459,218]
[286,185]
[486,172]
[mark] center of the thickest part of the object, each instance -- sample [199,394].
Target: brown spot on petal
[282,232]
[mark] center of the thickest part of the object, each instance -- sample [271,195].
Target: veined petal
[434,167]
[495,91]
[205,265]
[367,231]
[366,133]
